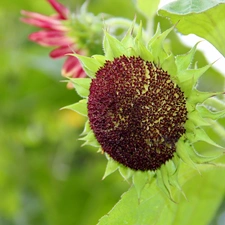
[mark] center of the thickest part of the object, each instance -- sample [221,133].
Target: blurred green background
[46,177]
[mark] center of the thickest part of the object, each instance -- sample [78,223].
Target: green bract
[124,109]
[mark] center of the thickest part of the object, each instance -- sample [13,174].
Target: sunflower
[143,109]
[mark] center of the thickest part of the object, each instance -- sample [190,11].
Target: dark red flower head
[137,112]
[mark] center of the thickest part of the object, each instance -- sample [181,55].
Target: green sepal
[163,183]
[172,168]
[139,180]
[113,48]
[140,46]
[100,59]
[139,36]
[196,118]
[125,172]
[201,159]
[81,86]
[155,36]
[169,65]
[111,167]
[200,135]
[188,78]
[100,150]
[199,97]
[79,107]
[89,64]
[166,178]
[218,103]
[128,42]
[189,126]
[87,128]
[142,51]
[184,61]
[90,139]
[156,47]
[183,149]
[206,113]
[192,74]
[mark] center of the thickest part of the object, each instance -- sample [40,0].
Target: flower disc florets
[137,112]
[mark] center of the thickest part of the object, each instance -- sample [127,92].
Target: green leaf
[203,18]
[82,86]
[133,212]
[204,195]
[80,107]
[155,208]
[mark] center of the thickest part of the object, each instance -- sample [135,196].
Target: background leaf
[203,18]
[147,7]
[205,194]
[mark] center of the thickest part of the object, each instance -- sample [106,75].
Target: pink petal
[61,9]
[73,68]
[50,34]
[42,21]
[41,38]
[61,51]
[39,16]
[76,74]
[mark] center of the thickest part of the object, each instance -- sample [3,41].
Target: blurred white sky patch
[210,52]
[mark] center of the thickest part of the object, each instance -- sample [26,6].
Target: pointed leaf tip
[89,64]
[125,172]
[139,180]
[112,47]
[111,167]
[81,86]
[80,107]
[156,45]
[185,60]
[90,139]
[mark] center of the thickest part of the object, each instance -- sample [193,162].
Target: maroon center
[136,112]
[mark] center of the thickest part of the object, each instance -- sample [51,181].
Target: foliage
[46,177]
